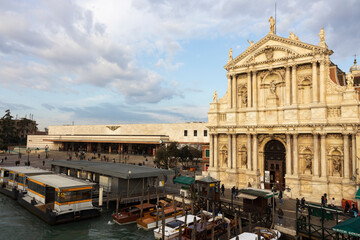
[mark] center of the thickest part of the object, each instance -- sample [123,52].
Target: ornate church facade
[289,118]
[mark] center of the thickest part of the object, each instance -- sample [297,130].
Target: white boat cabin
[17,176]
[62,193]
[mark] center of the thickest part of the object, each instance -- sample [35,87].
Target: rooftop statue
[272,25]
[251,42]
[215,96]
[350,80]
[230,55]
[322,38]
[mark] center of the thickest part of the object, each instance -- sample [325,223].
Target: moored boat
[150,220]
[265,234]
[14,179]
[172,228]
[131,214]
[58,199]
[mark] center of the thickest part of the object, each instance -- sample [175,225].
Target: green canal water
[17,223]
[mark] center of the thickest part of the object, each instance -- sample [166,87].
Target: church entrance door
[274,153]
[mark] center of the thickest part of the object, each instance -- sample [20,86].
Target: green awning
[184,180]
[258,192]
[350,227]
[357,196]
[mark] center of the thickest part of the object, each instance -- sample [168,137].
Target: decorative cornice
[315,50]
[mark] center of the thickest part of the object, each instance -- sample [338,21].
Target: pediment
[273,48]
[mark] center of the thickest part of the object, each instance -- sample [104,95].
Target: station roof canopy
[184,180]
[118,170]
[256,193]
[61,182]
[26,170]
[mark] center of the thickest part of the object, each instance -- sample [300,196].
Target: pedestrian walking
[43,162]
[298,205]
[303,202]
[280,216]
[38,156]
[223,190]
[280,196]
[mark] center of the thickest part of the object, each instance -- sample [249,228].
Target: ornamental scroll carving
[112,128]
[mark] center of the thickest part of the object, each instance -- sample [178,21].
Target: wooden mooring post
[163,223]
[250,228]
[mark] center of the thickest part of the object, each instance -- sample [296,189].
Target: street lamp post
[46,151]
[273,207]
[28,152]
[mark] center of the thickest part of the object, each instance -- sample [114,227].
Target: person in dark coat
[280,216]
[347,207]
[222,190]
[280,196]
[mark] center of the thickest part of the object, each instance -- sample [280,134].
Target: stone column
[249,164]
[211,149]
[255,90]
[316,155]
[216,154]
[346,156]
[234,152]
[234,90]
[294,87]
[249,92]
[353,153]
[322,81]
[229,92]
[229,155]
[255,153]
[323,155]
[315,82]
[296,155]
[287,85]
[288,154]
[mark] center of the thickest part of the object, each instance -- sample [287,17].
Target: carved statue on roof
[251,42]
[230,55]
[350,80]
[292,36]
[322,38]
[215,96]
[272,25]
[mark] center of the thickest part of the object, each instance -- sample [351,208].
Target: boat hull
[10,193]
[53,218]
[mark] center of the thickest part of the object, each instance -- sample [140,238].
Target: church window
[195,133]
[185,133]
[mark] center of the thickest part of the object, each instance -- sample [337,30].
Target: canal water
[17,223]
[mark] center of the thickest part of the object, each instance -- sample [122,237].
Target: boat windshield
[132,209]
[71,196]
[175,223]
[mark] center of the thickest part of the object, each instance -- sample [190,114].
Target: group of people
[353,211]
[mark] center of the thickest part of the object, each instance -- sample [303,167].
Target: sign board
[212,185]
[267,176]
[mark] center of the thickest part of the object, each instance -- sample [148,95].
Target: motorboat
[131,214]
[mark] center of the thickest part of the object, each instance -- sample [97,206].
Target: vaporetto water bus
[14,179]
[59,199]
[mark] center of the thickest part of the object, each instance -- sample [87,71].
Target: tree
[9,134]
[185,156]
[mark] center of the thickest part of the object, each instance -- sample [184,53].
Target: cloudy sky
[143,61]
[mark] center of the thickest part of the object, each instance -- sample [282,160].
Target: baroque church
[289,119]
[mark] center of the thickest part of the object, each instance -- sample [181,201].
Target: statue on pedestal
[350,80]
[322,38]
[230,55]
[272,25]
[215,96]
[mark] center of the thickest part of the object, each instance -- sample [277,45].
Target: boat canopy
[357,196]
[350,227]
[184,180]
[61,182]
[254,192]
[26,170]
